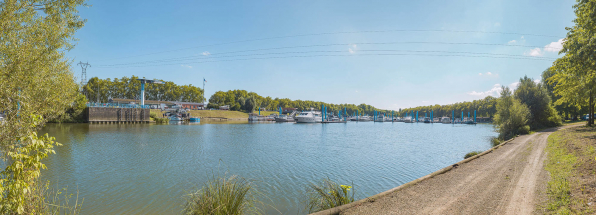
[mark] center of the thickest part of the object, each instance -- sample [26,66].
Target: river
[149,168]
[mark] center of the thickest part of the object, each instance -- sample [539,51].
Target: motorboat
[364,119]
[408,119]
[445,120]
[426,120]
[310,116]
[380,118]
[175,117]
[284,118]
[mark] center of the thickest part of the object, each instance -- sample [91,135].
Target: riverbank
[572,167]
[509,180]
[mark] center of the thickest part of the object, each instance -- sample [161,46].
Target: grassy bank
[211,114]
[266,113]
[571,163]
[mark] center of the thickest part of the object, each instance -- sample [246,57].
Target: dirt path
[506,181]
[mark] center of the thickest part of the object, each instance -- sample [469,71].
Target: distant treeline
[484,108]
[241,100]
[130,88]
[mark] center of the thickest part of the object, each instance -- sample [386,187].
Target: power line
[335,33]
[84,72]
[311,46]
[487,55]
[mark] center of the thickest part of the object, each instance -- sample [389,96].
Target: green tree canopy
[536,98]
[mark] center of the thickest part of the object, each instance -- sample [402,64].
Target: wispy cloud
[352,49]
[494,91]
[489,74]
[512,42]
[497,24]
[186,66]
[206,53]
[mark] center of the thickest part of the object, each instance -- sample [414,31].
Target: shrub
[327,194]
[152,115]
[225,196]
[512,116]
[161,120]
[495,141]
[470,154]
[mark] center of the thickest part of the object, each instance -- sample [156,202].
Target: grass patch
[470,154]
[266,113]
[327,194]
[223,196]
[571,165]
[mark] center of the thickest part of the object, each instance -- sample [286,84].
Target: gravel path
[509,180]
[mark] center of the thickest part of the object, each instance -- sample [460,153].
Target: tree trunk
[591,117]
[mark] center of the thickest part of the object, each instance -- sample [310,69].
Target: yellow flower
[345,187]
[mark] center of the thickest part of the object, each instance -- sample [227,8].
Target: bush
[225,196]
[152,115]
[470,154]
[327,194]
[495,141]
[161,120]
[535,97]
[512,116]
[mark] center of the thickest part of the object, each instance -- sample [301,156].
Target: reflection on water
[148,168]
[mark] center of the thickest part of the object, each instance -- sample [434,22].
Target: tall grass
[46,200]
[470,154]
[327,194]
[223,196]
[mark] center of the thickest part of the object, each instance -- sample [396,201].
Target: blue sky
[332,51]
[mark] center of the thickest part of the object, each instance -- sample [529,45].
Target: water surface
[148,168]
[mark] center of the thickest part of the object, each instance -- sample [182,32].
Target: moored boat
[309,117]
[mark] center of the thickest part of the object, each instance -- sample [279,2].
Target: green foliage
[223,196]
[575,72]
[129,88]
[153,115]
[471,154]
[495,141]
[23,169]
[35,76]
[161,120]
[512,116]
[536,98]
[484,108]
[75,113]
[327,194]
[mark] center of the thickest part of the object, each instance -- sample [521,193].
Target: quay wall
[117,115]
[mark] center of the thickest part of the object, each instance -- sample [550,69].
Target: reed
[327,194]
[223,196]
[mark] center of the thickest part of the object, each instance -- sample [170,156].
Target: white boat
[445,120]
[174,117]
[284,118]
[408,119]
[380,118]
[309,117]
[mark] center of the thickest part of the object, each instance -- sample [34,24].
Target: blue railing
[112,105]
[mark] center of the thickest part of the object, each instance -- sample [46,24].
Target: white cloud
[354,45]
[554,46]
[497,24]
[351,51]
[494,91]
[206,53]
[424,101]
[186,66]
[535,52]
[511,42]
[489,74]
[513,85]
[536,81]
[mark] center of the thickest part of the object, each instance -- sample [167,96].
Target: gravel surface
[509,180]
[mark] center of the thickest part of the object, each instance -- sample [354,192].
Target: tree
[35,80]
[512,116]
[536,98]
[576,71]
